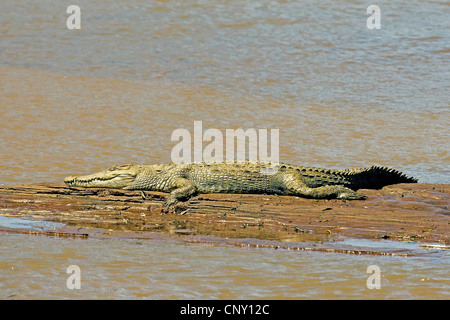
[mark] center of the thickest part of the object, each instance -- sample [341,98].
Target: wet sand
[403,212]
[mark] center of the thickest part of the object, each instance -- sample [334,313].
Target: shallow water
[112,92]
[36,267]
[78,101]
[28,224]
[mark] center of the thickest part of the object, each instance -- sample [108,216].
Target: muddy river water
[340,94]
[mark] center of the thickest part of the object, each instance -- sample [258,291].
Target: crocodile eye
[120,167]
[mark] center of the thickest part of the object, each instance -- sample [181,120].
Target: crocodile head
[115,177]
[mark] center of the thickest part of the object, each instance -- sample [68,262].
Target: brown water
[78,101]
[35,268]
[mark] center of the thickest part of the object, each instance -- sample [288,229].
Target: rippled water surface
[36,267]
[78,101]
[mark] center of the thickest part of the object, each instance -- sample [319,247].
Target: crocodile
[184,181]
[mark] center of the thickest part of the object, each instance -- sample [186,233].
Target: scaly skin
[186,180]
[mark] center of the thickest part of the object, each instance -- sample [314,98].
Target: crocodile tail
[376,178]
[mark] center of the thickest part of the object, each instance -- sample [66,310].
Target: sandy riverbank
[404,212]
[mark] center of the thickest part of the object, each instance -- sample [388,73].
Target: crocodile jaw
[117,177]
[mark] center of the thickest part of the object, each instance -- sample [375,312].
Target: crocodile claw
[351,195]
[170,202]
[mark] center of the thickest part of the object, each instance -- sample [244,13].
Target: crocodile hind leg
[327,192]
[297,187]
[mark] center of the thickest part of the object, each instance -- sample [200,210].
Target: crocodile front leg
[184,190]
